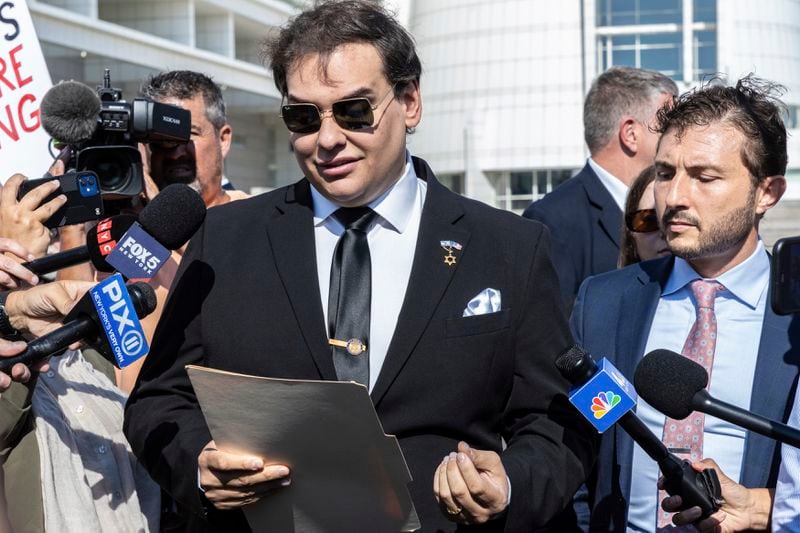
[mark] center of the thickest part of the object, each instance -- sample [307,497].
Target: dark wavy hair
[333,23]
[753,107]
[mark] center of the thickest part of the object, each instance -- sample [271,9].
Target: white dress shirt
[614,185]
[786,510]
[740,314]
[392,240]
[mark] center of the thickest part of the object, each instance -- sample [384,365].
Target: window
[792,117]
[650,34]
[454,182]
[515,190]
[705,54]
[655,51]
[631,12]
[705,10]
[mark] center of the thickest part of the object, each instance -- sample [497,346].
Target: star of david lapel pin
[449,246]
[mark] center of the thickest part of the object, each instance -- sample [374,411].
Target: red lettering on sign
[16,64]
[10,127]
[34,115]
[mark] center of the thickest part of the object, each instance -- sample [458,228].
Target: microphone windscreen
[101,239]
[576,365]
[69,112]
[668,381]
[174,215]
[143,297]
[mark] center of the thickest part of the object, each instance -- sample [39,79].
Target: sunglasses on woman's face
[642,221]
[350,114]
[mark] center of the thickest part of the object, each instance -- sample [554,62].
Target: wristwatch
[7,331]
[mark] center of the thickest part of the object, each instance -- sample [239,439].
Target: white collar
[616,188]
[394,206]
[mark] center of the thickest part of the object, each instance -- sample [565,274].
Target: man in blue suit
[585,213]
[719,168]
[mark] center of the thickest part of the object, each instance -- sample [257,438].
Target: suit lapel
[641,299]
[609,216]
[291,235]
[429,278]
[773,393]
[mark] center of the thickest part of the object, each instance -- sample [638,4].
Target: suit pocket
[478,324]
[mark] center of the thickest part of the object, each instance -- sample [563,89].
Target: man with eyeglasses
[719,168]
[200,162]
[369,270]
[584,214]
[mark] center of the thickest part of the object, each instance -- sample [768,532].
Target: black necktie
[350,295]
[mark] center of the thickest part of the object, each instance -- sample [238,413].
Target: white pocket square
[488,301]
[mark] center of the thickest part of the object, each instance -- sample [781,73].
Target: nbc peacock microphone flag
[605,397]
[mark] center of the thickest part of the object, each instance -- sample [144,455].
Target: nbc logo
[603,403]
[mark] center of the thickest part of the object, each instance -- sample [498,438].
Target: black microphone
[98,240]
[171,218]
[70,111]
[676,386]
[695,488]
[86,325]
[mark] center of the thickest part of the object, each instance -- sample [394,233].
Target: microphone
[100,240]
[676,386]
[171,219]
[695,488]
[70,111]
[166,224]
[108,308]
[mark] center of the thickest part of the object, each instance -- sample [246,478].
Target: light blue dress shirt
[786,511]
[740,314]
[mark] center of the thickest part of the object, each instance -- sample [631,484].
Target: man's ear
[768,192]
[629,134]
[225,137]
[411,98]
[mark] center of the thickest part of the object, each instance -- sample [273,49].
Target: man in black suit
[585,213]
[452,319]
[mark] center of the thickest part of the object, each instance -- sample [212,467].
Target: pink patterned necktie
[685,437]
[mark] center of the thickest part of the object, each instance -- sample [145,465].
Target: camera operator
[200,162]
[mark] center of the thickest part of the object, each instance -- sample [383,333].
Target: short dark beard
[724,235]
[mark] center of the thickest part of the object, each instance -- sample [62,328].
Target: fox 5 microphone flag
[605,397]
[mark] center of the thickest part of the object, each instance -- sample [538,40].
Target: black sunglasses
[642,221]
[350,114]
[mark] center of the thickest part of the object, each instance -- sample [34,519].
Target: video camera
[103,130]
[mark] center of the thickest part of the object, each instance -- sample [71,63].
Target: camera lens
[112,170]
[118,169]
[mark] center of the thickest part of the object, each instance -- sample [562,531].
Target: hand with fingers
[471,485]
[744,509]
[12,273]
[150,187]
[36,311]
[19,372]
[39,310]
[23,219]
[230,480]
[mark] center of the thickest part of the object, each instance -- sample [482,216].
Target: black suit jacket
[246,299]
[612,318]
[586,228]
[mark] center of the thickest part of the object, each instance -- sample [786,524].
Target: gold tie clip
[353,346]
